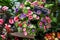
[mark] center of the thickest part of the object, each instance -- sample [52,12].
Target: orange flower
[58,35]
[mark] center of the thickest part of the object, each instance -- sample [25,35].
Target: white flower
[32,26]
[13,8]
[34,15]
[56,39]
[17,4]
[28,7]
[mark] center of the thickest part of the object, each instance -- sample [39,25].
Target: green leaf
[16,24]
[25,10]
[54,19]
[48,5]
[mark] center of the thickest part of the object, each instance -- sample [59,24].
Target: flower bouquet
[27,16]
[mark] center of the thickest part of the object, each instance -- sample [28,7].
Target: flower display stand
[21,36]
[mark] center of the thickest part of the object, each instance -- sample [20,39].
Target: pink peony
[4,8]
[16,18]
[1,21]
[11,21]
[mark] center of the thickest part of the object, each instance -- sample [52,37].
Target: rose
[1,21]
[4,8]
[30,17]
[16,18]
[11,21]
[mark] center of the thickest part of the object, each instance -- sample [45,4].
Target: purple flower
[22,16]
[38,12]
[43,20]
[16,10]
[33,30]
[40,26]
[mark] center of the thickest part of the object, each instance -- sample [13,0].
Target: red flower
[58,35]
[1,21]
[20,24]
[49,36]
[11,21]
[16,18]
[7,27]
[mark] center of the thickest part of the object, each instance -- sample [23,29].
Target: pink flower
[34,3]
[1,21]
[45,28]
[47,18]
[48,11]
[30,17]
[25,33]
[3,36]
[37,17]
[11,21]
[16,18]
[24,29]
[44,1]
[4,8]
[7,27]
[29,11]
[40,23]
[41,6]
[21,5]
